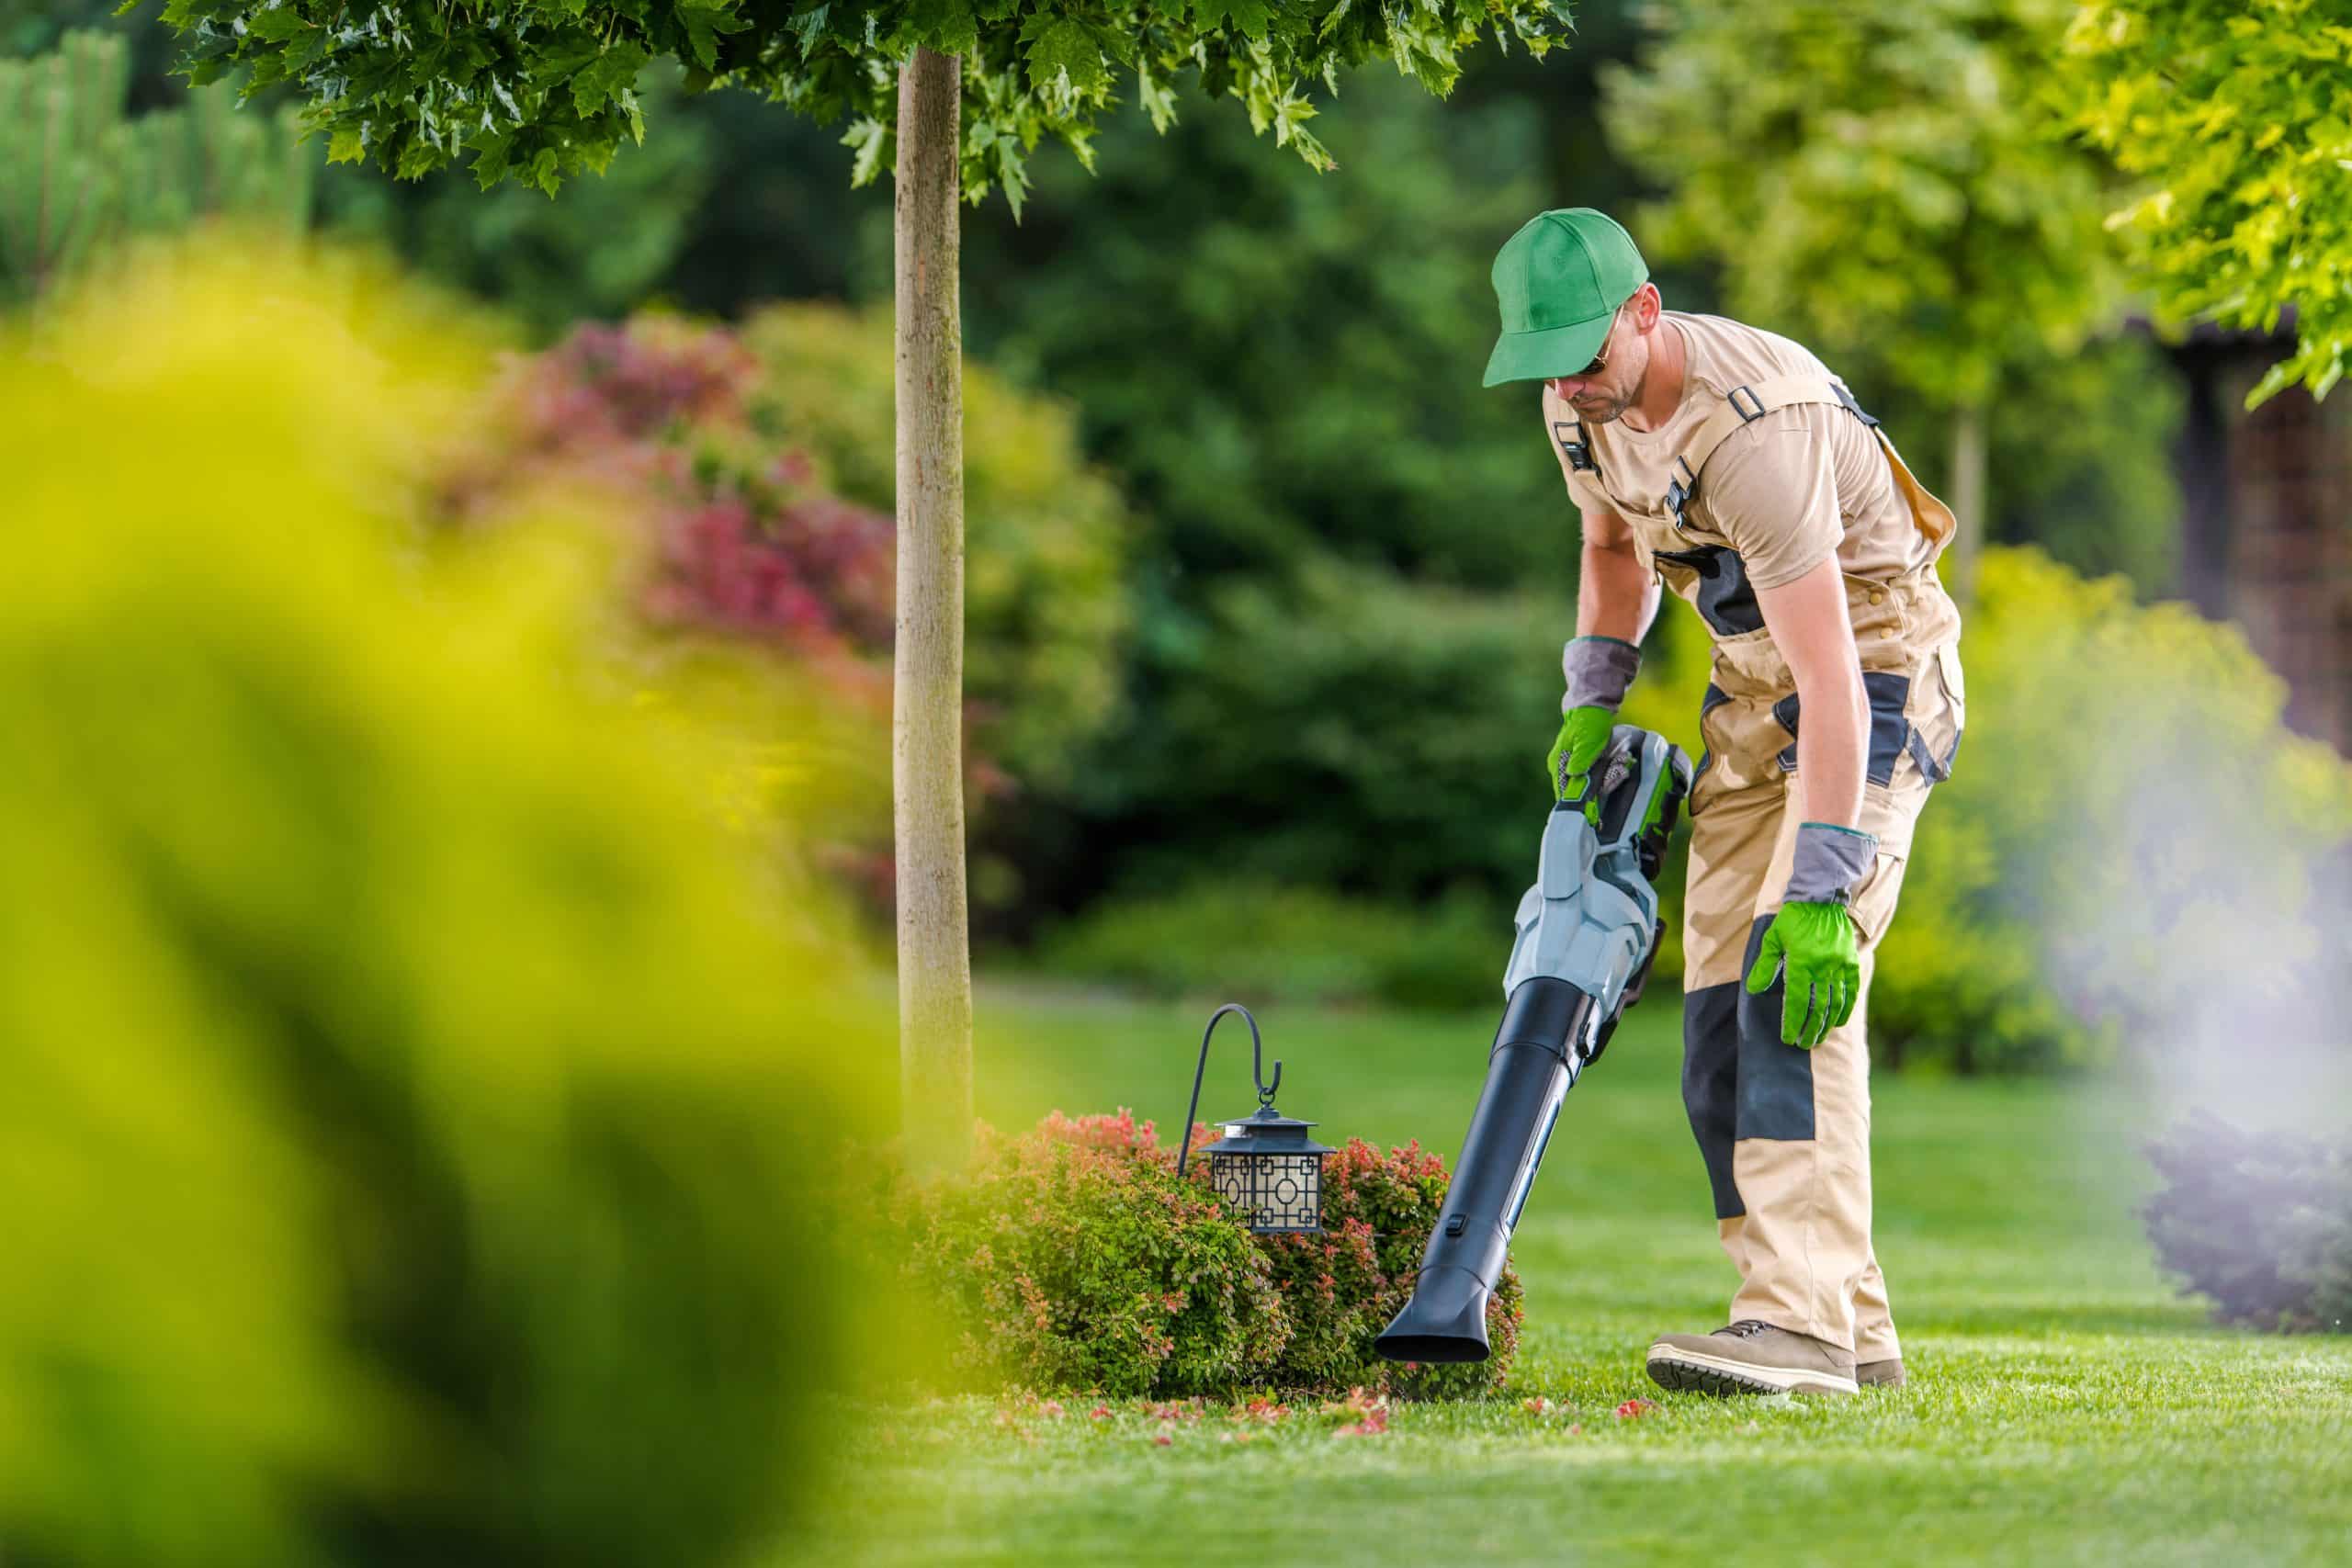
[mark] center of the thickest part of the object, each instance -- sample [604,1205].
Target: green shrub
[1258,941]
[2127,849]
[1342,729]
[1072,1257]
[1383,743]
[2261,1223]
[2127,795]
[410,1074]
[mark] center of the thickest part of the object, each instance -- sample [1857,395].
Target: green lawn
[2064,1406]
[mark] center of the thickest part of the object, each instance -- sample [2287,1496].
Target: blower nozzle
[1446,1321]
[1586,933]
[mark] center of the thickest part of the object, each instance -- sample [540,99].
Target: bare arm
[1616,596]
[1810,625]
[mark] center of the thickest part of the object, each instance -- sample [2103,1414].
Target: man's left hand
[1814,943]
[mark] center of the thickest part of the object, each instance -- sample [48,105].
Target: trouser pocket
[1916,718]
[1939,716]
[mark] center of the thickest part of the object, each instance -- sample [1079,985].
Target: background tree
[2241,116]
[36,27]
[596,255]
[80,176]
[1885,187]
[540,92]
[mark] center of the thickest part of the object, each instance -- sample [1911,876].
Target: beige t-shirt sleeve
[1771,490]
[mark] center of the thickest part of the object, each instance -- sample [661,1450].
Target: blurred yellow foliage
[411,1079]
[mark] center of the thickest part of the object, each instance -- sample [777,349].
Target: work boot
[1751,1357]
[1881,1374]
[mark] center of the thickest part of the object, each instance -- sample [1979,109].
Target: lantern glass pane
[1271,1192]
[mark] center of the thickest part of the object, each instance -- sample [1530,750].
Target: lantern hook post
[1257,1076]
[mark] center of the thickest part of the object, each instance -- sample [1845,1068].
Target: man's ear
[1646,305]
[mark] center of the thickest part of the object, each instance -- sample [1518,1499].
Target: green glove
[1584,733]
[1815,943]
[1598,670]
[1812,939]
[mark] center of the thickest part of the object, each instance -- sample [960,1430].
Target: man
[1730,465]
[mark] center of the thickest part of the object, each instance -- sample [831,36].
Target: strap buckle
[1678,493]
[1736,407]
[1579,453]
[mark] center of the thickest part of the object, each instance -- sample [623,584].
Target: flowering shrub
[746,542]
[761,462]
[1071,1257]
[1343,1286]
[754,469]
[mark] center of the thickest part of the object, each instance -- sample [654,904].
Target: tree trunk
[926,732]
[1967,501]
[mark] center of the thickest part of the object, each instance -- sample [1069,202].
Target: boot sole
[1677,1369]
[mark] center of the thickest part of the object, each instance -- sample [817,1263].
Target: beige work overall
[1785,1132]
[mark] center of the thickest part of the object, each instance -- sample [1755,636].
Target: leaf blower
[1586,932]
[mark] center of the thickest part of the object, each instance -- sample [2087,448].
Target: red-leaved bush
[746,543]
[1342,1287]
[1071,1257]
[736,539]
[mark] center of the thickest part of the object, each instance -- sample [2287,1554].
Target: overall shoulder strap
[1745,405]
[1570,434]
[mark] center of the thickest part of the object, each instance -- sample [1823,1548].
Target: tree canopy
[1890,187]
[1887,184]
[541,90]
[2241,117]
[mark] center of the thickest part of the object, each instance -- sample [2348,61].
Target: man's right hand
[1583,735]
[1598,669]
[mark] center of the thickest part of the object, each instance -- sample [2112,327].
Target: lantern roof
[1268,1131]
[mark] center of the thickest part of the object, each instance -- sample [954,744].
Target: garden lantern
[1265,1166]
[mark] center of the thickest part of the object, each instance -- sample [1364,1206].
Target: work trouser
[1785,1131]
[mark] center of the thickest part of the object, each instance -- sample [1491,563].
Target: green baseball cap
[1559,281]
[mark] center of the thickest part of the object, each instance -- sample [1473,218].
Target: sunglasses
[1599,361]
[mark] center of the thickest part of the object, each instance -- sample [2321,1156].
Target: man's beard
[1602,410]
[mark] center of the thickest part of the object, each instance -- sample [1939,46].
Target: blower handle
[1257,1076]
